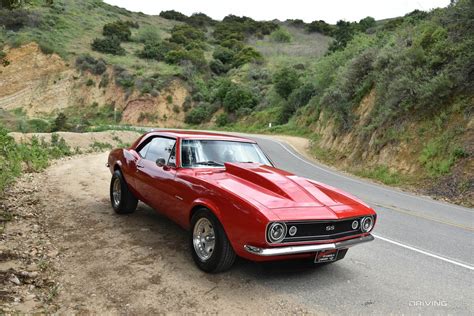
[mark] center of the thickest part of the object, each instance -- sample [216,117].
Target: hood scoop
[274,180]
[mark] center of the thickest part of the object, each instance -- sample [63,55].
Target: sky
[308,10]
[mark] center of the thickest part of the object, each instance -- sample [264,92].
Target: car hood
[278,189]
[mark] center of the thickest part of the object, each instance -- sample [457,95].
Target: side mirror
[160,162]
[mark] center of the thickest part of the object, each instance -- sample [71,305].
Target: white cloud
[328,10]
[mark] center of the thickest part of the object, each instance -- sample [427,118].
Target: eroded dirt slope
[97,262]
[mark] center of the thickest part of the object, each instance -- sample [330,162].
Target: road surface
[422,260]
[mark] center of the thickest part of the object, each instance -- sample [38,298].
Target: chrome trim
[367,218]
[270,226]
[291,250]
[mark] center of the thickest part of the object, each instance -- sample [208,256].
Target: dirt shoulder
[71,254]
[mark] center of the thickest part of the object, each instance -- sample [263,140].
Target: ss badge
[330,227]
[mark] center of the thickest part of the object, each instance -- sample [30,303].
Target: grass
[382,174]
[303,48]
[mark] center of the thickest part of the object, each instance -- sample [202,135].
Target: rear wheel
[123,201]
[211,249]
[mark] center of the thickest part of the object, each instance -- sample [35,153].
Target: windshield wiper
[209,163]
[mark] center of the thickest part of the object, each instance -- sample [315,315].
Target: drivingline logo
[420,303]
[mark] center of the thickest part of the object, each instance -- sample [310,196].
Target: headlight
[367,223]
[276,232]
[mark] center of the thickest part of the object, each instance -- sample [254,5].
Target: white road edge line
[424,252]
[383,238]
[365,183]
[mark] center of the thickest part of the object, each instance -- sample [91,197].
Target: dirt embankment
[64,250]
[42,84]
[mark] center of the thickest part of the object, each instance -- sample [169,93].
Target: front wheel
[123,201]
[211,249]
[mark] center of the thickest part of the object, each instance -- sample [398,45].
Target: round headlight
[276,232]
[366,224]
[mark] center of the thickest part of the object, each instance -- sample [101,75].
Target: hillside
[390,100]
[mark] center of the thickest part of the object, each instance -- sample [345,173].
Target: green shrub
[148,34]
[118,29]
[157,50]
[320,27]
[89,63]
[224,54]
[108,45]
[366,24]
[90,82]
[104,81]
[218,67]
[238,97]
[123,78]
[196,57]
[183,34]
[296,23]
[173,15]
[200,20]
[16,19]
[196,116]
[60,123]
[285,81]
[281,35]
[222,119]
[27,157]
[39,126]
[247,55]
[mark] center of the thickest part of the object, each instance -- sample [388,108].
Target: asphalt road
[422,260]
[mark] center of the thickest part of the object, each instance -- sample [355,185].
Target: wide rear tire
[210,247]
[123,201]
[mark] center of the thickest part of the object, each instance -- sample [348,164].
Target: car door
[153,181]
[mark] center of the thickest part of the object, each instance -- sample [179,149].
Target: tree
[285,81]
[366,23]
[342,35]
[239,97]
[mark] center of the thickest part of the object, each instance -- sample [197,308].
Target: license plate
[326,256]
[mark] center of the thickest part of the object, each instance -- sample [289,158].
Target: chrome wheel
[204,239]
[117,192]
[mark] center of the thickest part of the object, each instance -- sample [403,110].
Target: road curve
[422,260]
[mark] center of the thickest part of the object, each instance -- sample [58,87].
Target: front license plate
[326,256]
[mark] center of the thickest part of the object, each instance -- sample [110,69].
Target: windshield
[214,153]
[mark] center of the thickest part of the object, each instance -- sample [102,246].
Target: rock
[14,279]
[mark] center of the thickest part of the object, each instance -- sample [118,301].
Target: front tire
[123,201]
[210,247]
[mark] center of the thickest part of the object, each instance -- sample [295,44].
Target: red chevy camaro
[231,198]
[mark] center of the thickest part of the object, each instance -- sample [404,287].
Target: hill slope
[391,100]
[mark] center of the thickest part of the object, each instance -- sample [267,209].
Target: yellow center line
[397,209]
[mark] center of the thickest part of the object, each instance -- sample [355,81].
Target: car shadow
[157,231]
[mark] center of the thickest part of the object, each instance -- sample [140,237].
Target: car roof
[188,134]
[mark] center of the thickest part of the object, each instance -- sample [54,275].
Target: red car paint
[245,197]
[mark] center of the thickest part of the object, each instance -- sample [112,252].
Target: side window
[142,152]
[160,148]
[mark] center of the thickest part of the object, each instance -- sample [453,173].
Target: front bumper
[291,250]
